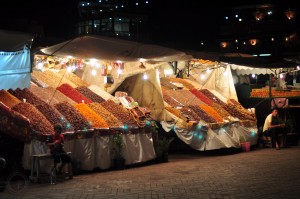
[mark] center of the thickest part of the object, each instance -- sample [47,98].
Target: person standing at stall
[274,126]
[56,144]
[274,81]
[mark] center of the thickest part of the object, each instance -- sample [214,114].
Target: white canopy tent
[219,79]
[106,48]
[15,64]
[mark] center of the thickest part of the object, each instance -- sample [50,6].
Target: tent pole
[270,88]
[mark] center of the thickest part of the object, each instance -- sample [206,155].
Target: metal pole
[270,88]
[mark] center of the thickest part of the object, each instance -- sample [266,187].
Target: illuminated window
[223,44]
[253,42]
[290,14]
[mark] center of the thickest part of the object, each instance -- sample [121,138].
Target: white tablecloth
[95,152]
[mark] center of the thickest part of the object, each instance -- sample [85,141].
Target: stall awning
[245,70]
[256,62]
[15,69]
[15,66]
[106,48]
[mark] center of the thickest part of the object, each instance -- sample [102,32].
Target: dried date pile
[236,112]
[110,119]
[202,114]
[175,112]
[119,112]
[105,95]
[171,101]
[211,96]
[90,94]
[231,109]
[166,83]
[38,121]
[190,114]
[54,116]
[220,110]
[78,122]
[248,114]
[26,94]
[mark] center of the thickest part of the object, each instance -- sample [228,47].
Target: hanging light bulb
[167,72]
[281,75]
[40,65]
[93,62]
[69,69]
[145,76]
[202,76]
[94,72]
[119,72]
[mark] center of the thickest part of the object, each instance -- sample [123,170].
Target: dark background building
[260,29]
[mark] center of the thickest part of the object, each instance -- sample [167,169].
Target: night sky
[180,21]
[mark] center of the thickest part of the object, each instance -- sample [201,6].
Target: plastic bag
[279,102]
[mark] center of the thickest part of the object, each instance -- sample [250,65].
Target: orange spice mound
[212,112]
[110,119]
[96,120]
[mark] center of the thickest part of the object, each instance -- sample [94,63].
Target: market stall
[265,95]
[190,109]
[205,120]
[80,92]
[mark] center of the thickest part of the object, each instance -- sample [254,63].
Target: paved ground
[224,174]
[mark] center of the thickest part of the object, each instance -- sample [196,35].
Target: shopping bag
[279,102]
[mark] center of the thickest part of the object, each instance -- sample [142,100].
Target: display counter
[95,151]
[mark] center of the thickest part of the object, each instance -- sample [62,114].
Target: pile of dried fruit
[96,120]
[26,94]
[90,94]
[38,121]
[78,122]
[73,93]
[119,112]
[110,119]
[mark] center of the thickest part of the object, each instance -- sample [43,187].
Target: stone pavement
[260,173]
